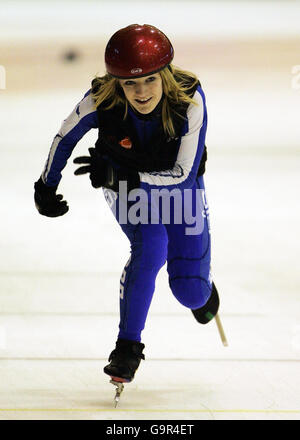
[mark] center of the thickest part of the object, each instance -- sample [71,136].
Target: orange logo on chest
[126,142]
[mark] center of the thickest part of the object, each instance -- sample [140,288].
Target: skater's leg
[148,254]
[189,256]
[137,284]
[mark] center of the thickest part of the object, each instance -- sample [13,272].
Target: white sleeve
[73,128]
[191,148]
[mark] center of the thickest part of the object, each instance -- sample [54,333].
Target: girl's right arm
[79,122]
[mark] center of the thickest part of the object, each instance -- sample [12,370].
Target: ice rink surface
[60,277]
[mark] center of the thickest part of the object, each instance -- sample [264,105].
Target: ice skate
[209,311]
[124,361]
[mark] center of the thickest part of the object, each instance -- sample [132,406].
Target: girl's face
[143,93]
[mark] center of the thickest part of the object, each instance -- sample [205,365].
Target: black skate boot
[124,360]
[210,309]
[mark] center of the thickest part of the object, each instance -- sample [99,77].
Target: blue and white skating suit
[153,244]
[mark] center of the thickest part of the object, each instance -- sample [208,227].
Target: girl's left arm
[184,172]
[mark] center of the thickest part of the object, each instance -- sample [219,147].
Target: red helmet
[137,50]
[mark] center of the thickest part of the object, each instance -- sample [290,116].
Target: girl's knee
[191,292]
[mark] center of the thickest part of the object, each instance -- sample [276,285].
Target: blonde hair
[176,84]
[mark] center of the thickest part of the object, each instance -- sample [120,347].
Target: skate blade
[117,399]
[119,388]
[221,330]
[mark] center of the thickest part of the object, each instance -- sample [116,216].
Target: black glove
[47,202]
[103,173]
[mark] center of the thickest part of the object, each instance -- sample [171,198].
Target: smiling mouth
[143,101]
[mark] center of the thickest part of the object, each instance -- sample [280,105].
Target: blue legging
[188,261]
